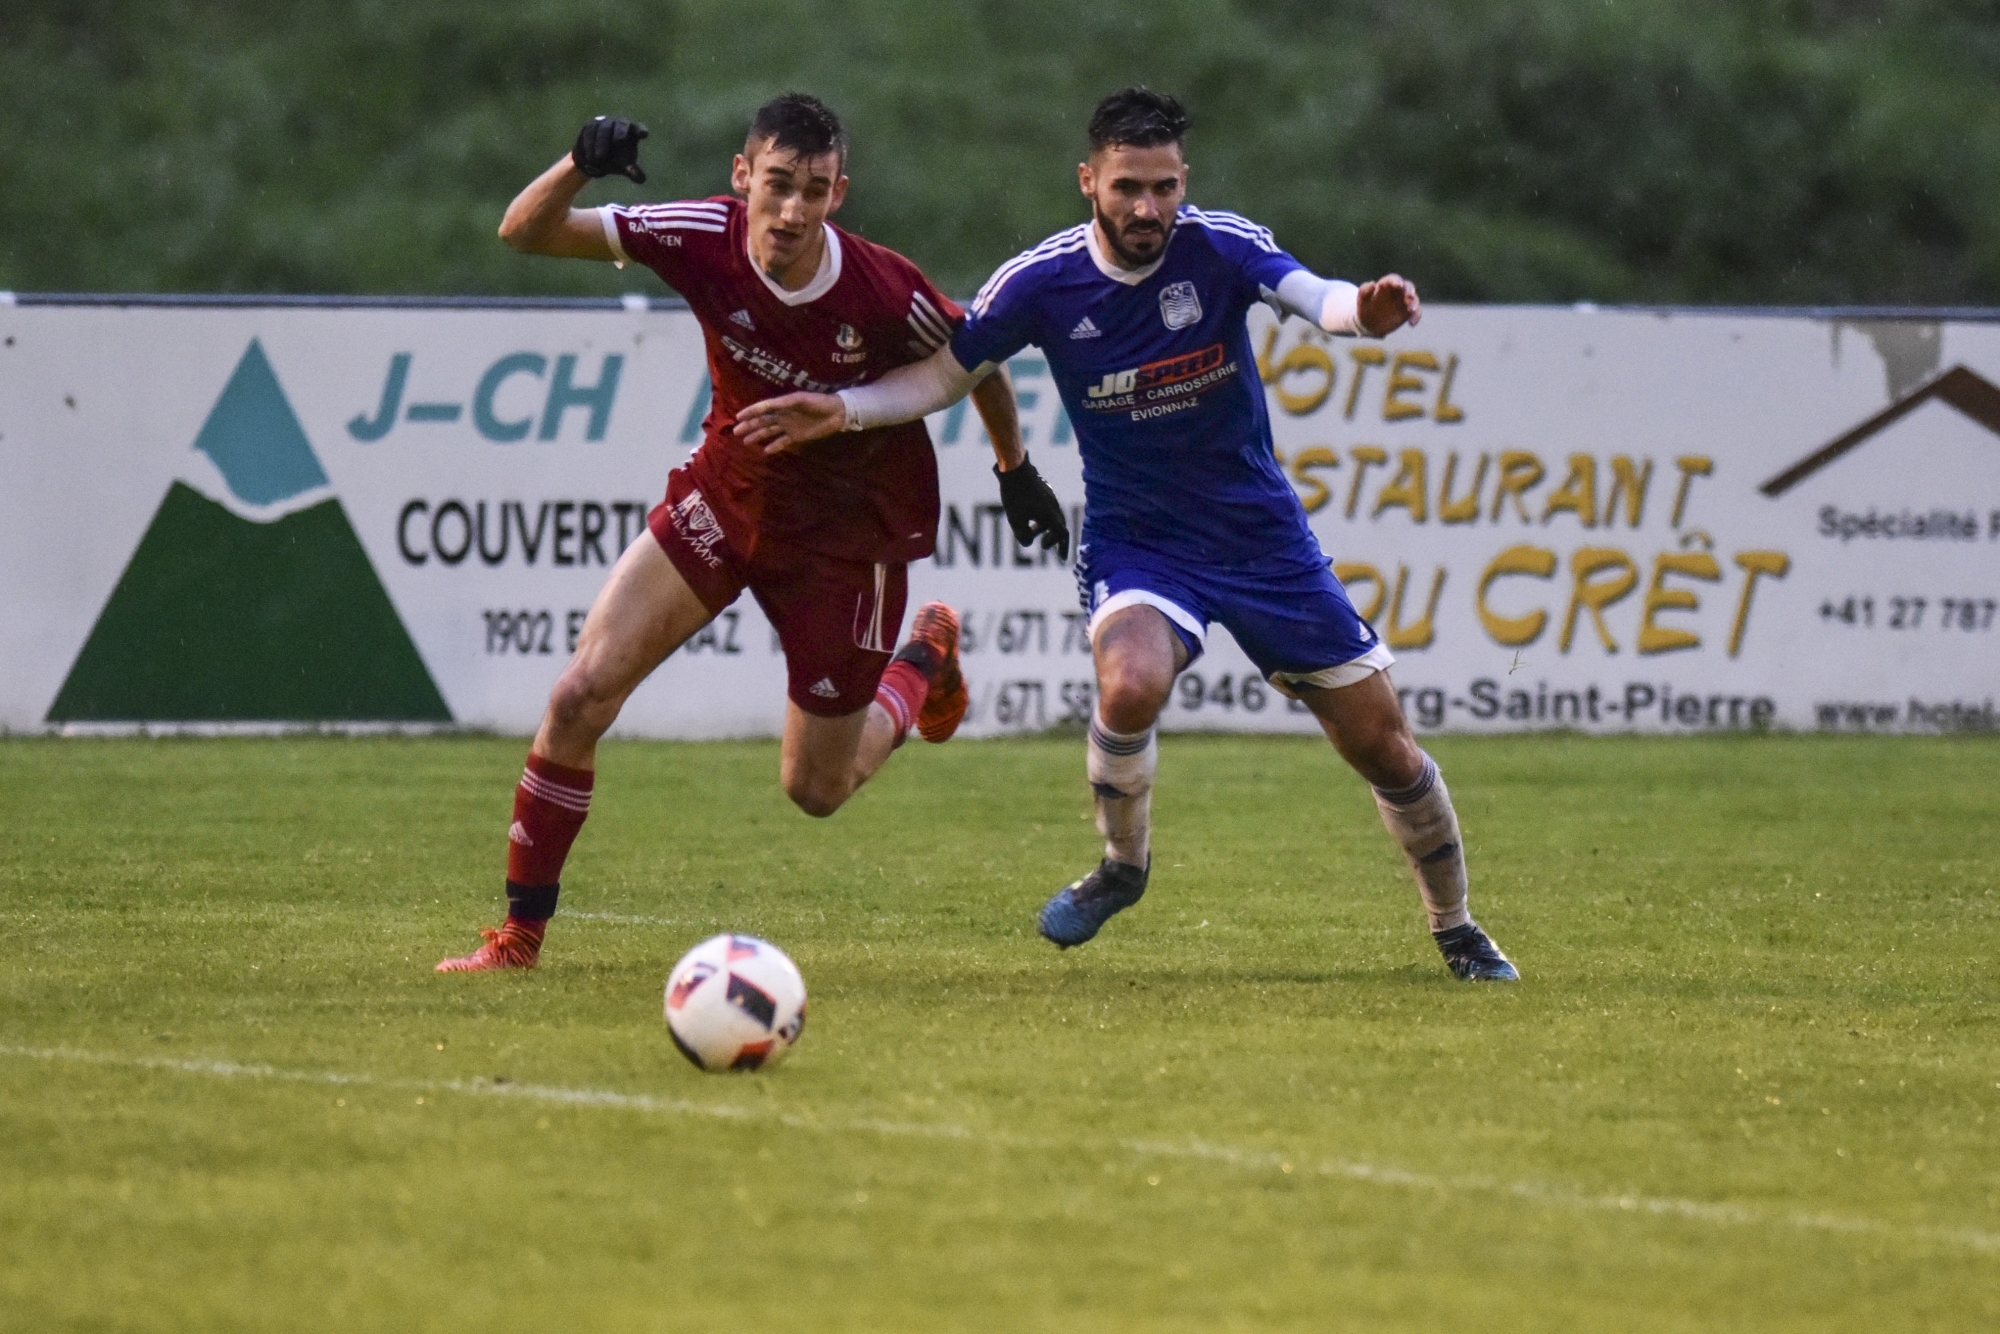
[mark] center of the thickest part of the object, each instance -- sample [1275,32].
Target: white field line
[1260,1160]
[270,729]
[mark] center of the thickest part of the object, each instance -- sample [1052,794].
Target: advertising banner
[332,514]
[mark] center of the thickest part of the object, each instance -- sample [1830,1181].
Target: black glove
[609,144]
[1032,508]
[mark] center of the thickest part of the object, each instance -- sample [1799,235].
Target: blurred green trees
[1616,150]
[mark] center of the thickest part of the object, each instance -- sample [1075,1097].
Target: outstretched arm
[917,390]
[542,221]
[903,394]
[1375,309]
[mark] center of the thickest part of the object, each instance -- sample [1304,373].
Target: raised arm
[542,219]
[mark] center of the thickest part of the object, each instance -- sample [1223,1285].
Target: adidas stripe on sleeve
[648,232]
[1001,320]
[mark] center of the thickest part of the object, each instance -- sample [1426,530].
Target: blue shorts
[1290,615]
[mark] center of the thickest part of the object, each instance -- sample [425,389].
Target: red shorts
[837,620]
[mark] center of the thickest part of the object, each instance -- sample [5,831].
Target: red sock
[549,808]
[902,693]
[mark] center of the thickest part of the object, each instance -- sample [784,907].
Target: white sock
[1120,766]
[1421,819]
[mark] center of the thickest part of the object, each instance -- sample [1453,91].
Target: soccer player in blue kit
[1188,518]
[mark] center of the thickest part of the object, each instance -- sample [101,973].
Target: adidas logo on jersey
[742,317]
[1085,329]
[824,688]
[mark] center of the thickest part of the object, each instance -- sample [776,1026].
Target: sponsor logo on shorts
[696,524]
[824,688]
[1180,306]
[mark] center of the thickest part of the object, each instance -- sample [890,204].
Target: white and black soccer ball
[735,1003]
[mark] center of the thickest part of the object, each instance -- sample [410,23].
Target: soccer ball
[735,1003]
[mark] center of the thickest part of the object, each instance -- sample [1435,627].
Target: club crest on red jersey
[848,340]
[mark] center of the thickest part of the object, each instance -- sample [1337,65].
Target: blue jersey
[1156,372]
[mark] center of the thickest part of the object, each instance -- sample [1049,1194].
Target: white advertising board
[1609,521]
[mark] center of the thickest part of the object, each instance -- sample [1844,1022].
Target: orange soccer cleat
[514,945]
[936,627]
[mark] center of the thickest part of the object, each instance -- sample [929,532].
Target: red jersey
[867,495]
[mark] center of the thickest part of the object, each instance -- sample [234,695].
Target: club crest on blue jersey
[1180,306]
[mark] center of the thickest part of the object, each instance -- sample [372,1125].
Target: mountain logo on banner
[257,605]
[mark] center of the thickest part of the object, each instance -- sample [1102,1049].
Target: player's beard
[1116,240]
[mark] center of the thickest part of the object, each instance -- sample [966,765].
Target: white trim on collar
[823,281]
[1110,269]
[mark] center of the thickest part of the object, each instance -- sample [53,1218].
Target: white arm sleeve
[1333,305]
[913,391]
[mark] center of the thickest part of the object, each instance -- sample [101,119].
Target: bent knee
[816,798]
[1387,756]
[578,699]
[1129,699]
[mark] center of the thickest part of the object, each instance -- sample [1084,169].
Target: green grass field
[1752,1080]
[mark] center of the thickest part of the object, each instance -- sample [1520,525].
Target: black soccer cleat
[1079,909]
[1473,957]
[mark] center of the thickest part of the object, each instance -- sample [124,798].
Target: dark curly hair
[799,123]
[1138,117]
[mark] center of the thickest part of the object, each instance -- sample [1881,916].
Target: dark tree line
[1714,151]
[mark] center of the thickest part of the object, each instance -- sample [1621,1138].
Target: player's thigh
[1297,624]
[1148,621]
[644,612]
[1364,721]
[1137,653]
[817,760]
[837,622]
[1302,631]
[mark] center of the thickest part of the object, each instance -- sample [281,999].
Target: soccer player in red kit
[821,537]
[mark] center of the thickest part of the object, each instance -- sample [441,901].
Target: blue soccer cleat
[1472,956]
[1079,909]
